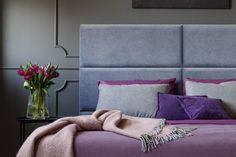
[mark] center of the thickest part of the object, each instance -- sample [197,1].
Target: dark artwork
[182,4]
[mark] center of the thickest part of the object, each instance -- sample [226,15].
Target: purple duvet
[211,139]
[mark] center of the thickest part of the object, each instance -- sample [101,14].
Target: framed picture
[182,4]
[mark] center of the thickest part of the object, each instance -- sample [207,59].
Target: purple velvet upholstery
[203,108]
[210,140]
[170,107]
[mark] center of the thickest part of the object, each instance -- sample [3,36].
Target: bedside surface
[28,120]
[23,121]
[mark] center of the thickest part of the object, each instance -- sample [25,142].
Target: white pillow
[134,99]
[226,91]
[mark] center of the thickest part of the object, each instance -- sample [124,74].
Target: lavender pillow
[203,108]
[170,107]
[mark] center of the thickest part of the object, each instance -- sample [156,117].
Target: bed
[123,52]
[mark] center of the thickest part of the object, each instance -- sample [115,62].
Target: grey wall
[27,34]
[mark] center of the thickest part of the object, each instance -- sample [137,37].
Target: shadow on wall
[13,97]
[1,47]
[8,95]
[1,71]
[1,33]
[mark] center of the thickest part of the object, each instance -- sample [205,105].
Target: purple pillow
[203,108]
[170,108]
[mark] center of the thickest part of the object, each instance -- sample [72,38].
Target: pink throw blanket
[56,139]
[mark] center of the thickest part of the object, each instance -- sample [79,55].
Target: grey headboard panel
[89,77]
[209,45]
[116,52]
[130,45]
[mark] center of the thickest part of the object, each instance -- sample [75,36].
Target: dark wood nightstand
[23,121]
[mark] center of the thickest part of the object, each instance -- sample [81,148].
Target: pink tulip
[56,74]
[52,68]
[35,67]
[35,73]
[41,70]
[28,71]
[20,72]
[47,75]
[27,77]
[45,68]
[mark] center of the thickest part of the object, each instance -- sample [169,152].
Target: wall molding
[56,32]
[60,89]
[15,68]
[181,4]
[9,68]
[74,68]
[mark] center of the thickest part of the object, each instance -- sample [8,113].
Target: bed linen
[56,139]
[213,138]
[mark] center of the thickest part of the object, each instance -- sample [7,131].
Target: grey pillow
[132,99]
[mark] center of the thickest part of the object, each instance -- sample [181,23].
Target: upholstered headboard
[119,52]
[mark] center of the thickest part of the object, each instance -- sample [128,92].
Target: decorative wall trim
[60,89]
[182,4]
[8,68]
[15,68]
[56,43]
[71,68]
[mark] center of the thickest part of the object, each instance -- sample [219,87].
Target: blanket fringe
[154,138]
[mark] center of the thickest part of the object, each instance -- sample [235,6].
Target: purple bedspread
[211,139]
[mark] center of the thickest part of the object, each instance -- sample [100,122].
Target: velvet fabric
[170,108]
[203,108]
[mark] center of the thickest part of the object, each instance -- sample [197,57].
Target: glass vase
[37,108]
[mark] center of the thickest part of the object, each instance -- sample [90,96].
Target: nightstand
[23,121]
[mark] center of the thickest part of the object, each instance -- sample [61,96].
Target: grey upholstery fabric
[138,100]
[130,45]
[115,52]
[209,73]
[89,76]
[209,45]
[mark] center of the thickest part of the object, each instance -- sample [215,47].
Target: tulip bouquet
[38,80]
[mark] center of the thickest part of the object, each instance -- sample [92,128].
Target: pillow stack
[204,99]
